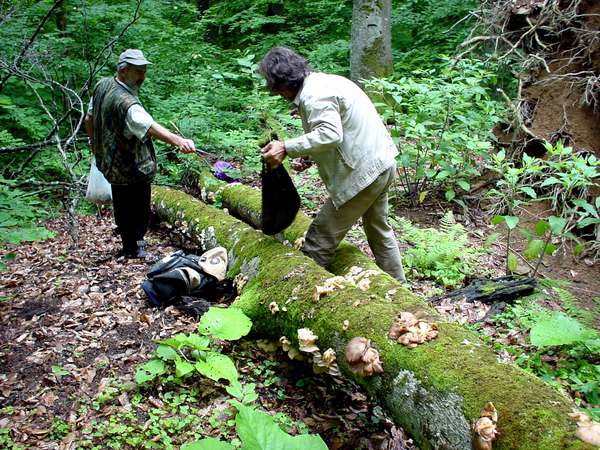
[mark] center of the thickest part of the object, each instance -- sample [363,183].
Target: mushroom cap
[356,348]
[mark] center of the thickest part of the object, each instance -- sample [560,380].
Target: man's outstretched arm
[159,132]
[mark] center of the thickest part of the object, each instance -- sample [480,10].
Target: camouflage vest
[121,160]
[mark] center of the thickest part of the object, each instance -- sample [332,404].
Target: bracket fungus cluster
[287,346]
[240,281]
[362,357]
[356,276]
[410,331]
[322,362]
[485,430]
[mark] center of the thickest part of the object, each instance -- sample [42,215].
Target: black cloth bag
[280,200]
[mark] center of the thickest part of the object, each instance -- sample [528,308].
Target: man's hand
[273,153]
[186,145]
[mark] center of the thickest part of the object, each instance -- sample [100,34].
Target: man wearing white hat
[121,132]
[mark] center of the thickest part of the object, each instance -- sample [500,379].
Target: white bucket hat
[214,262]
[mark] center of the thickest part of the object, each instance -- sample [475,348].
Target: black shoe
[139,252]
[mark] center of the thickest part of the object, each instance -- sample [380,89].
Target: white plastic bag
[98,190]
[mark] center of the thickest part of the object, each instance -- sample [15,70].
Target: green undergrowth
[21,213]
[185,372]
[558,344]
[440,254]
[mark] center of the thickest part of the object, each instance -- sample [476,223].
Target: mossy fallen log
[244,202]
[434,391]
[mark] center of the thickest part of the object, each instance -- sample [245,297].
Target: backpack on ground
[179,275]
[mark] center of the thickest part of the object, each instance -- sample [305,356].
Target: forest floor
[74,325]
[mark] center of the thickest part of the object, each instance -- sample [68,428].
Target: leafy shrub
[226,324]
[441,124]
[182,355]
[565,178]
[19,215]
[564,351]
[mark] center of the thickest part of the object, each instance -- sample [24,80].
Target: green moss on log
[244,202]
[434,391]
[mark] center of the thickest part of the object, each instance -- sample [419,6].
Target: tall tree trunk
[274,8]
[202,5]
[371,50]
[434,391]
[61,17]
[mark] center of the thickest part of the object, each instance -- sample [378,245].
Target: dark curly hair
[284,69]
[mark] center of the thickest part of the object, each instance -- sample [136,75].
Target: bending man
[121,132]
[354,152]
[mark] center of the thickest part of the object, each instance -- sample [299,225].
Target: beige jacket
[344,135]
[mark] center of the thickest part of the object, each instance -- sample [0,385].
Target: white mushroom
[306,340]
[587,430]
[274,307]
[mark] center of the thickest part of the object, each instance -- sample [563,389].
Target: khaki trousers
[331,225]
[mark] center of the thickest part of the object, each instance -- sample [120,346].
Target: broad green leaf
[182,367]
[464,185]
[450,194]
[258,431]
[587,221]
[235,389]
[192,340]
[500,155]
[512,262]
[167,353]
[217,366]
[209,443]
[511,222]
[541,227]
[529,191]
[557,328]
[550,181]
[586,206]
[141,376]
[550,248]
[557,224]
[150,370]
[155,366]
[225,323]
[534,249]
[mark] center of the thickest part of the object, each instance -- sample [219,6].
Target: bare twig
[25,48]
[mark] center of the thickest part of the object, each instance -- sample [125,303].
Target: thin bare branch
[25,48]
